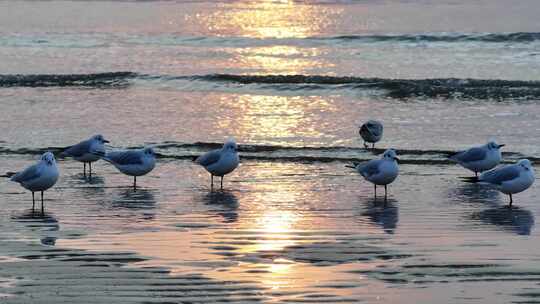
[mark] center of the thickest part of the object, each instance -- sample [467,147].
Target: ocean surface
[292,81]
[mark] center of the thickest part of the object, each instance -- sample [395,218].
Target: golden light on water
[269,19]
[279,59]
[272,20]
[259,117]
[274,231]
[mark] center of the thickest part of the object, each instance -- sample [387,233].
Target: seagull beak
[106,141]
[396,158]
[500,146]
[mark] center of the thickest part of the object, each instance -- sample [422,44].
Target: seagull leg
[84,170]
[375,188]
[366,145]
[385,192]
[90,171]
[510,200]
[373,146]
[134,183]
[33,202]
[222,182]
[211,181]
[475,174]
[42,208]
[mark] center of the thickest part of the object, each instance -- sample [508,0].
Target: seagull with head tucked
[379,171]
[134,163]
[371,132]
[479,159]
[87,151]
[509,179]
[38,177]
[221,161]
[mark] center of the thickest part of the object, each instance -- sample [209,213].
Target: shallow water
[279,232]
[293,225]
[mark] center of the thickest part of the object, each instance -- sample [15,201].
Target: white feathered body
[387,171]
[38,177]
[96,149]
[148,164]
[226,164]
[492,159]
[521,183]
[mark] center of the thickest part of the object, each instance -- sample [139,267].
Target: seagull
[38,177]
[132,162]
[87,151]
[479,159]
[509,179]
[221,161]
[371,132]
[380,171]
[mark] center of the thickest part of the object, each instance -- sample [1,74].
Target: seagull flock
[509,179]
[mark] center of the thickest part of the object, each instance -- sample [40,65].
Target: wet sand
[287,232]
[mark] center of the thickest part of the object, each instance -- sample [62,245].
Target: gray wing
[375,128]
[473,154]
[364,131]
[125,158]
[27,174]
[79,149]
[369,168]
[371,130]
[209,158]
[501,175]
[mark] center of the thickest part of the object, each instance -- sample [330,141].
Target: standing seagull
[371,132]
[38,177]
[509,179]
[479,159]
[221,161]
[133,162]
[87,151]
[379,171]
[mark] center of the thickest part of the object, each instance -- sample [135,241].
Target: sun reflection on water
[270,19]
[280,59]
[280,118]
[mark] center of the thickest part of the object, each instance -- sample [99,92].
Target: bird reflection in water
[226,202]
[96,180]
[515,219]
[383,213]
[89,188]
[474,194]
[48,240]
[46,225]
[36,219]
[129,199]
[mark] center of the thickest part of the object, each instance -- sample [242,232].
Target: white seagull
[221,161]
[380,171]
[371,132]
[509,179]
[87,151]
[132,162]
[38,177]
[479,159]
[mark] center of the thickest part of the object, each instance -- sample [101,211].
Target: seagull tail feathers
[65,152]
[8,174]
[102,155]
[470,179]
[451,155]
[353,165]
